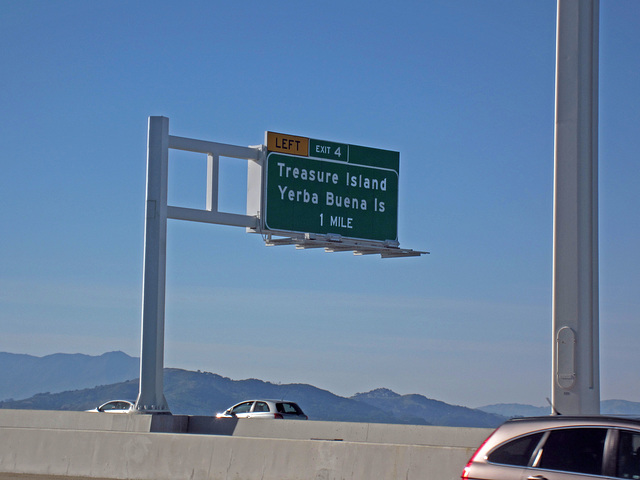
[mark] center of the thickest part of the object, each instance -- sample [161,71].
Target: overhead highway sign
[322,187]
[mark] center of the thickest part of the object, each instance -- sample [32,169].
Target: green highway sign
[321,187]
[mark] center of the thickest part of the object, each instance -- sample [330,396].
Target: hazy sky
[464,90]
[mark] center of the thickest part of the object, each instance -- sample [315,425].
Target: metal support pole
[576,375]
[151,394]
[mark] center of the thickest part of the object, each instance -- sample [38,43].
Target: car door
[569,454]
[260,410]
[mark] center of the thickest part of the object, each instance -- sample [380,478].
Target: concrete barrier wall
[298,430]
[347,451]
[341,431]
[46,419]
[92,421]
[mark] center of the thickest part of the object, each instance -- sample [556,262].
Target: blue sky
[463,90]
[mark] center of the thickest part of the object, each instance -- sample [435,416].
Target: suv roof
[558,420]
[517,426]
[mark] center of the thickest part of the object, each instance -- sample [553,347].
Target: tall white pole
[576,372]
[151,393]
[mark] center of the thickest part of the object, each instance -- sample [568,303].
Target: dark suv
[559,448]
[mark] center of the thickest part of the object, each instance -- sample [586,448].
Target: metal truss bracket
[335,243]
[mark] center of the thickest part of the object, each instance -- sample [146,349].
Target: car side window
[288,408]
[242,408]
[628,455]
[578,450]
[516,452]
[261,407]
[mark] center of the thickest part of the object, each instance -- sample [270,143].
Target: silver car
[114,406]
[270,409]
[559,448]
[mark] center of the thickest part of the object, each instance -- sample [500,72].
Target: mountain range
[82,382]
[22,376]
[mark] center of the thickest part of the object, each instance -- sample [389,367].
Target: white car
[269,409]
[114,406]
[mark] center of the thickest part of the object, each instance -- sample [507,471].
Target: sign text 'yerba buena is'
[321,187]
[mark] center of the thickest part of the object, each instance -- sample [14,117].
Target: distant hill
[609,407]
[22,376]
[82,382]
[620,407]
[511,410]
[427,411]
[201,393]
